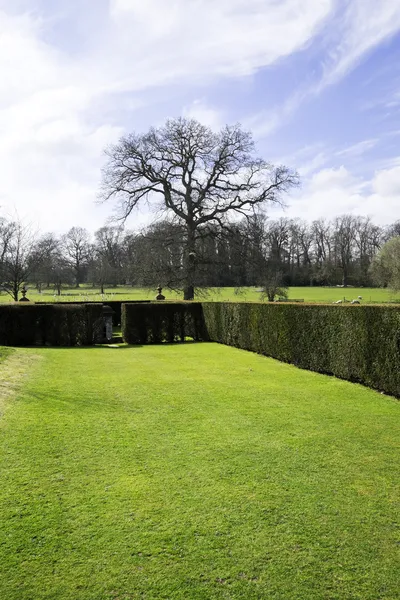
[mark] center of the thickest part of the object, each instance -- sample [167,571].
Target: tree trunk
[77,275]
[190,266]
[188,292]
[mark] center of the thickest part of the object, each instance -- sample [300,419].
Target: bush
[50,324]
[154,323]
[357,343]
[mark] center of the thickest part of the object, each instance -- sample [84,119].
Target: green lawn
[193,471]
[309,294]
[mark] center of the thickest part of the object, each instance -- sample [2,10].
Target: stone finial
[160,296]
[23,292]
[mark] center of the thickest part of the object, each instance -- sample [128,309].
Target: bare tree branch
[202,178]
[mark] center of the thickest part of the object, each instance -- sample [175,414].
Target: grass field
[193,471]
[309,294]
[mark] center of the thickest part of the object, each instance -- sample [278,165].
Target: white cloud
[358,27]
[203,38]
[203,113]
[59,107]
[358,149]
[50,155]
[386,183]
[266,122]
[362,26]
[312,165]
[334,191]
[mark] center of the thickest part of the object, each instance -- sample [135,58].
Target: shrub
[357,343]
[154,323]
[50,324]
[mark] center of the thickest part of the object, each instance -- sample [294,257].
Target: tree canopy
[385,267]
[198,177]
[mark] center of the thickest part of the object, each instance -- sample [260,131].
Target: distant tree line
[248,252]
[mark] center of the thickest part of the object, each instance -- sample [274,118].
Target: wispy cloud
[358,149]
[355,29]
[361,27]
[225,38]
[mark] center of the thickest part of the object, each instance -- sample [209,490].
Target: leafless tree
[16,260]
[344,233]
[199,176]
[368,240]
[76,250]
[46,262]
[7,230]
[107,255]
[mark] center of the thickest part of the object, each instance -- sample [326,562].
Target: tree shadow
[111,346]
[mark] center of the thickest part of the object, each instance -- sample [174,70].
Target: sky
[316,81]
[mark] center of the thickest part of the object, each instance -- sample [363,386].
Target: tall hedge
[357,343]
[162,322]
[50,324]
[116,305]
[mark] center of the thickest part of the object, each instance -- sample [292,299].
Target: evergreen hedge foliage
[154,323]
[116,305]
[357,343]
[50,324]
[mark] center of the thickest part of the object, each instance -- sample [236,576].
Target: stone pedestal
[108,323]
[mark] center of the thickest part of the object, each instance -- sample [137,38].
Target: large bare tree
[198,176]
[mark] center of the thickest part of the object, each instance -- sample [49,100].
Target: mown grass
[195,471]
[247,294]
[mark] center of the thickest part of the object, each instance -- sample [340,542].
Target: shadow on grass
[119,346]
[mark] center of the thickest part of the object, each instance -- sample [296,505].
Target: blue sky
[317,81]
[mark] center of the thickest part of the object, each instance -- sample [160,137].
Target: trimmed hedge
[357,343]
[116,305]
[162,322]
[50,324]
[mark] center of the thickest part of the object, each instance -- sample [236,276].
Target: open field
[193,471]
[309,294]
